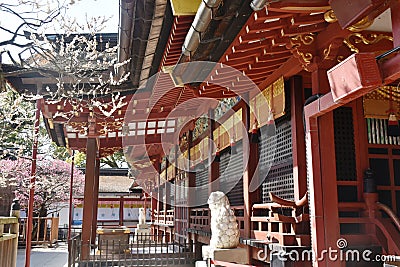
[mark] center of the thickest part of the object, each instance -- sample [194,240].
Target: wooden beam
[288,69]
[391,69]
[50,80]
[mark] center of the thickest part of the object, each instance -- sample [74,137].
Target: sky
[79,10]
[98,8]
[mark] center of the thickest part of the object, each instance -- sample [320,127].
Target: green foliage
[79,159]
[115,160]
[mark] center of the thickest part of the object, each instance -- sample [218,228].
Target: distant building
[119,199]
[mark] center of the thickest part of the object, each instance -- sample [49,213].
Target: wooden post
[250,155]
[121,211]
[322,187]
[14,229]
[153,206]
[321,166]
[95,200]
[87,220]
[298,137]
[361,145]
[192,175]
[157,165]
[71,186]
[213,170]
[32,187]
[166,190]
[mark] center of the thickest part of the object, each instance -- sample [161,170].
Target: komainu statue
[142,216]
[224,227]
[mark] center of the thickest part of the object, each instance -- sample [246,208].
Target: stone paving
[45,257]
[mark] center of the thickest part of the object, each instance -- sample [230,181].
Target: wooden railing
[200,219]
[45,230]
[8,241]
[164,217]
[373,227]
[282,221]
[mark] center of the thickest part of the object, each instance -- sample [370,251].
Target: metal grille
[231,175]
[201,181]
[130,249]
[279,179]
[377,133]
[344,144]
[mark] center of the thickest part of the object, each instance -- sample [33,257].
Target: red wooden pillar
[192,176]
[298,137]
[95,200]
[167,191]
[321,166]
[121,211]
[32,187]
[87,220]
[153,206]
[71,196]
[251,157]
[213,170]
[157,166]
[361,144]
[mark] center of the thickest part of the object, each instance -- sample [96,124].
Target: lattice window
[344,144]
[280,182]
[231,178]
[201,189]
[279,179]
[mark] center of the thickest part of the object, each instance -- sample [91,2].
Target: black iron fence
[130,250]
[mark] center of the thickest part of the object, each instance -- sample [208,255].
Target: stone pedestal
[233,255]
[142,233]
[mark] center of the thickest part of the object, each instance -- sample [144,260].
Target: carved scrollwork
[107,126]
[330,16]
[302,39]
[361,25]
[80,127]
[300,47]
[357,38]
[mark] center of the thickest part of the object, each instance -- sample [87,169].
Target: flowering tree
[51,187]
[82,62]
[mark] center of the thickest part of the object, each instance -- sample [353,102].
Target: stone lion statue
[224,227]
[142,216]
